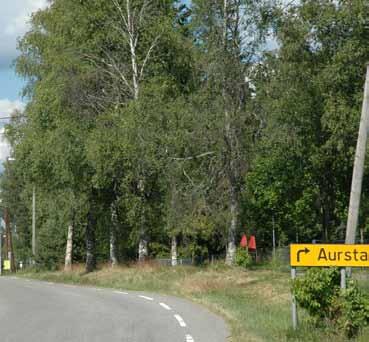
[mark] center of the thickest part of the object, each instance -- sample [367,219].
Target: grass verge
[255,303]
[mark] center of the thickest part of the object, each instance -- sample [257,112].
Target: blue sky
[14,19]
[10,84]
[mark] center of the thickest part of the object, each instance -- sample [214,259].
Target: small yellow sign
[329,255]
[7,265]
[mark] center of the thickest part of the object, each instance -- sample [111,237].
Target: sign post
[294,305]
[343,278]
[326,255]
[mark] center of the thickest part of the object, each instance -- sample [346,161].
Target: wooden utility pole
[34,221]
[357,177]
[9,240]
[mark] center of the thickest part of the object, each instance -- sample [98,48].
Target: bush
[243,257]
[317,290]
[353,306]
[319,293]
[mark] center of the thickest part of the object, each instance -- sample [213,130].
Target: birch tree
[132,25]
[69,248]
[229,35]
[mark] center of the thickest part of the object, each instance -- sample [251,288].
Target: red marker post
[243,242]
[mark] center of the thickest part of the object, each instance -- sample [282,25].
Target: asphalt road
[33,311]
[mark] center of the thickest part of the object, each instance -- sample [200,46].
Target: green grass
[255,303]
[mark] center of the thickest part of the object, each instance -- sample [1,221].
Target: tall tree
[311,90]
[228,33]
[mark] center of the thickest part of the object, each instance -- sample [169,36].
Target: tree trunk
[90,242]
[357,177]
[113,236]
[142,245]
[231,244]
[174,250]
[143,252]
[69,248]
[230,163]
[326,222]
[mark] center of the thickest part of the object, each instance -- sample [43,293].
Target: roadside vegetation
[256,303]
[174,132]
[168,129]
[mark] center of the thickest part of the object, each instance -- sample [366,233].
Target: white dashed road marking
[189,338]
[147,298]
[165,306]
[121,292]
[180,320]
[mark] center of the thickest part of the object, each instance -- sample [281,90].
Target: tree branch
[148,56]
[195,157]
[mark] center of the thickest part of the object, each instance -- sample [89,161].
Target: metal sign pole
[294,305]
[343,278]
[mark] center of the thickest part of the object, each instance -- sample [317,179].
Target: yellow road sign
[7,265]
[329,255]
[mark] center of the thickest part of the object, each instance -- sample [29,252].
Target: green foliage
[319,293]
[159,250]
[214,128]
[243,258]
[317,290]
[310,94]
[354,310]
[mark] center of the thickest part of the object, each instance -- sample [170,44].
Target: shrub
[319,293]
[316,291]
[353,306]
[243,257]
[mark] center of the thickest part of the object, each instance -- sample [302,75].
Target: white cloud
[4,146]
[14,21]
[6,109]
[18,24]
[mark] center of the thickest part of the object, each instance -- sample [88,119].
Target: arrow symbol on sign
[306,251]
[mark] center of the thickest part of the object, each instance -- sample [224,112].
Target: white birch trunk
[132,45]
[231,243]
[142,250]
[113,252]
[174,250]
[113,236]
[90,241]
[69,249]
[131,22]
